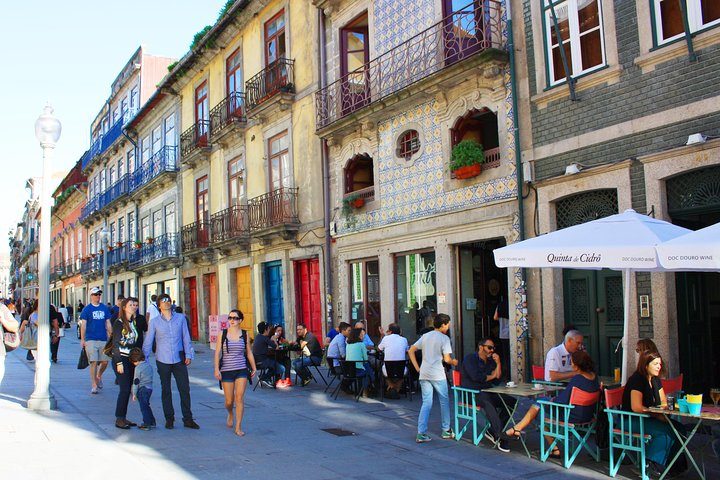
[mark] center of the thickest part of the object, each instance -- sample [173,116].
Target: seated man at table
[558,362]
[481,370]
[337,347]
[262,347]
[311,353]
[395,347]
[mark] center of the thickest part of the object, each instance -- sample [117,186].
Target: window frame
[275,36]
[401,143]
[694,9]
[232,72]
[239,178]
[279,154]
[201,109]
[204,193]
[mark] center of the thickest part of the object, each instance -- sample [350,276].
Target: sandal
[516,434]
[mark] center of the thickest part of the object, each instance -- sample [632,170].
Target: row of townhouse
[24,245]
[311,181]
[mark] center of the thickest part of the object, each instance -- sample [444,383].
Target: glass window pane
[591,49]
[588,15]
[670,19]
[415,285]
[710,10]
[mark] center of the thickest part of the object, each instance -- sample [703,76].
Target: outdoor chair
[396,370]
[334,373]
[349,374]
[627,433]
[555,423]
[538,373]
[672,385]
[262,373]
[467,410]
[310,368]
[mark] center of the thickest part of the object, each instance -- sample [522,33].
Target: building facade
[404,84]
[635,127]
[251,173]
[25,246]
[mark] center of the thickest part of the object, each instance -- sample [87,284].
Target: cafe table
[708,413]
[521,390]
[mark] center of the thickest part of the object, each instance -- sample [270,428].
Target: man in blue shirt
[115,310]
[173,353]
[93,336]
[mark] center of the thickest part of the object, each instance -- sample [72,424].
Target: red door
[191,302]
[307,294]
[210,290]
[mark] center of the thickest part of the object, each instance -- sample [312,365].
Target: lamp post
[47,131]
[104,241]
[22,288]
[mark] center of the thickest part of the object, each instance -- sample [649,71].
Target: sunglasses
[164,300]
[95,294]
[234,317]
[489,347]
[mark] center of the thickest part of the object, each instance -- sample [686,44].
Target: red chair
[672,385]
[538,372]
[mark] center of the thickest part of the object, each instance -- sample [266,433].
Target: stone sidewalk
[285,435]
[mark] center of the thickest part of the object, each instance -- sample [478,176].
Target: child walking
[142,387]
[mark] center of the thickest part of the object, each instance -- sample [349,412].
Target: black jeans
[182,381]
[54,349]
[495,411]
[125,383]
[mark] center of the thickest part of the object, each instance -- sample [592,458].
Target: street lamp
[47,132]
[105,241]
[22,287]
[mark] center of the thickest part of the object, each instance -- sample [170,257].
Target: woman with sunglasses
[126,335]
[234,366]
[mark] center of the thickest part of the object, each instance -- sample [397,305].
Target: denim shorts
[232,375]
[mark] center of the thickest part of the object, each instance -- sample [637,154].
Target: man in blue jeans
[435,348]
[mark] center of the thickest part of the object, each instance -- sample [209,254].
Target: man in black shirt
[262,346]
[311,353]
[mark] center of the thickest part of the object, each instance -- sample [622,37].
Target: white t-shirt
[434,346]
[557,360]
[395,347]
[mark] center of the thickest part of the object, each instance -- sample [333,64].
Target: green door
[594,305]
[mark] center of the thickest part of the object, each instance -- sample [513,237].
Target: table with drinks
[521,390]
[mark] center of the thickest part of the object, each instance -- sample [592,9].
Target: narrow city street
[286,435]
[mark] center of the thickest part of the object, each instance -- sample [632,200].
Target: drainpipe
[324,157]
[518,172]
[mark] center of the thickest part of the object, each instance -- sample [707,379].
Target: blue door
[274,312]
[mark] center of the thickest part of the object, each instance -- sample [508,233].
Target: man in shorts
[93,336]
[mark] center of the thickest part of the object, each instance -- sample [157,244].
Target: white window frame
[575,60]
[694,13]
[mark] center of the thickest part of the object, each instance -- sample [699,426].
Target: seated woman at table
[642,390]
[585,379]
[356,351]
[277,333]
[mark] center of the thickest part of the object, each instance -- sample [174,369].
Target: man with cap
[94,331]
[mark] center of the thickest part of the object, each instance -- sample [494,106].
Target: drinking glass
[715,395]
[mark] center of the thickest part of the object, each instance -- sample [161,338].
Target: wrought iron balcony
[163,247]
[273,209]
[459,36]
[72,267]
[91,265]
[195,139]
[117,256]
[90,208]
[273,79]
[230,224]
[116,191]
[163,161]
[227,114]
[195,236]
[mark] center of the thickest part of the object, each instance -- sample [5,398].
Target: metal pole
[42,399]
[627,275]
[105,272]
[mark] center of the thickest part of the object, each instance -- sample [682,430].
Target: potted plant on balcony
[119,244]
[351,203]
[149,240]
[466,159]
[138,244]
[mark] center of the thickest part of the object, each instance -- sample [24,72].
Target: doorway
[244,299]
[274,310]
[191,305]
[307,295]
[210,292]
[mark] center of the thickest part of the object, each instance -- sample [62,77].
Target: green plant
[348,209]
[465,154]
[171,66]
[225,9]
[199,36]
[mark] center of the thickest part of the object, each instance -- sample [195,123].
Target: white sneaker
[94,390]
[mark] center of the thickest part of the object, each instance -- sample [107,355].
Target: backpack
[224,344]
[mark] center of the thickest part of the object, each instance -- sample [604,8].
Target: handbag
[83,360]
[29,338]
[108,348]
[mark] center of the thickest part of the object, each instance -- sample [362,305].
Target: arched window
[481,126]
[586,206]
[359,174]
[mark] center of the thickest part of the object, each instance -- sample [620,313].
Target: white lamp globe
[47,127]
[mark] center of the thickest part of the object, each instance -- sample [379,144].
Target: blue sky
[68,53]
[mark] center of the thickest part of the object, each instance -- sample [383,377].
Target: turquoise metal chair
[555,423]
[627,433]
[467,411]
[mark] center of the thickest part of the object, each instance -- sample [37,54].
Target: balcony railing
[230,111]
[196,235]
[72,267]
[231,223]
[118,255]
[89,208]
[91,265]
[278,207]
[468,31]
[164,160]
[367,193]
[163,247]
[116,191]
[195,137]
[273,79]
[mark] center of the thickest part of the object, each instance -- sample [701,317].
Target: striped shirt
[233,355]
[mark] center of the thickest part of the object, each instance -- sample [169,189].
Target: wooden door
[210,290]
[244,299]
[274,310]
[307,295]
[191,305]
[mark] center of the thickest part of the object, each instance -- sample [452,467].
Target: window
[131,161]
[581,30]
[121,167]
[669,23]
[202,208]
[157,219]
[124,105]
[170,218]
[103,180]
[279,159]
[132,236]
[121,229]
[233,80]
[415,287]
[236,185]
[201,109]
[365,294]
[359,173]
[145,228]
[134,98]
[156,139]
[115,115]
[145,150]
[170,131]
[355,54]
[408,144]
[275,38]
[481,126]
[113,234]
[112,175]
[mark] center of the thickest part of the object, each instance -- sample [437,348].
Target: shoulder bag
[29,337]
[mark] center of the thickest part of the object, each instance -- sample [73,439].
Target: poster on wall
[216,324]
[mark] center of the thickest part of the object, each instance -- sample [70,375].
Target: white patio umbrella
[696,251]
[625,242]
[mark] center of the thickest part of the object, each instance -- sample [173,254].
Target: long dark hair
[123,316]
[645,359]
[354,336]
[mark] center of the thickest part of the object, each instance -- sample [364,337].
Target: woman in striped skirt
[234,366]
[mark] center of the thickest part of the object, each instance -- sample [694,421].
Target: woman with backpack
[234,367]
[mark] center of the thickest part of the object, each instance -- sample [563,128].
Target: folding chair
[466,409]
[349,373]
[627,433]
[395,371]
[311,366]
[262,372]
[672,385]
[555,423]
[334,373]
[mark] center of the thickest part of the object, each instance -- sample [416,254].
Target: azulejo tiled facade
[396,21]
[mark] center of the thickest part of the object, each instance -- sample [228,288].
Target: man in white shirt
[395,347]
[558,365]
